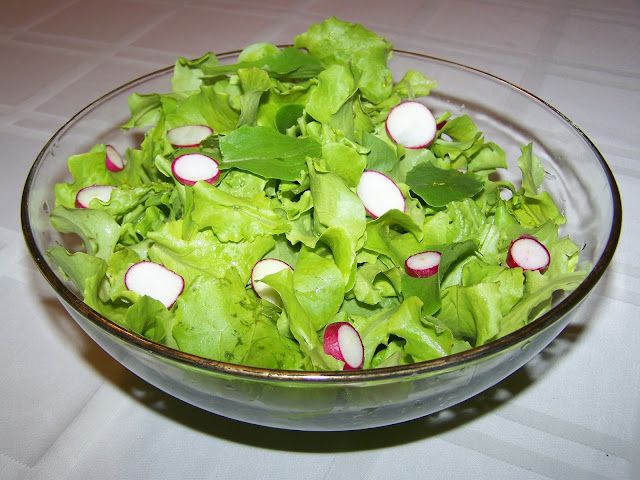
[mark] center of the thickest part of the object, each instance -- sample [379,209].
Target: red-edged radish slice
[155,281]
[423,264]
[411,124]
[191,168]
[261,269]
[86,194]
[188,135]
[113,160]
[528,253]
[379,193]
[342,341]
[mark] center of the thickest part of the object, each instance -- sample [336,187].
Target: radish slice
[113,161]
[188,135]
[528,253]
[506,194]
[422,265]
[194,167]
[155,281]
[411,124]
[85,195]
[379,193]
[261,269]
[343,343]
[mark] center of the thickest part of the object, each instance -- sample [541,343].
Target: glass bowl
[577,177]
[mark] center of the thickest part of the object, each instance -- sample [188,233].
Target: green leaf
[510,281]
[187,74]
[145,110]
[254,82]
[202,254]
[334,42]
[423,340]
[381,156]
[300,322]
[532,171]
[319,287]
[88,274]
[290,63]
[336,205]
[343,251]
[150,318]
[209,106]
[234,218]
[264,151]
[335,86]
[472,313]
[428,289]
[344,160]
[535,210]
[538,291]
[98,230]
[414,85]
[438,187]
[86,169]
[487,159]
[287,116]
[218,319]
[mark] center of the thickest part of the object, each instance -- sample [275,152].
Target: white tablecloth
[67,410]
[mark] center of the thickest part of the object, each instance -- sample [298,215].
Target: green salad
[291,131]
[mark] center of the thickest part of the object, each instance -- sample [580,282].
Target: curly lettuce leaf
[203,254]
[98,230]
[532,171]
[334,42]
[300,322]
[421,339]
[216,318]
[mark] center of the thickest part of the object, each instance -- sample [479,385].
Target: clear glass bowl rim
[431,367]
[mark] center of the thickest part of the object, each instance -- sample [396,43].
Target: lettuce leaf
[268,153]
[216,318]
[334,42]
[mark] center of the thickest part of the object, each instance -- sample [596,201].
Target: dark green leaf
[437,186]
[266,152]
[287,116]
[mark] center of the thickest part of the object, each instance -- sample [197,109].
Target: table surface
[68,410]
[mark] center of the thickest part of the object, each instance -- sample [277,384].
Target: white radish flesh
[113,160]
[188,135]
[342,341]
[85,195]
[506,194]
[261,269]
[528,253]
[191,168]
[379,193]
[155,281]
[411,124]
[423,264]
